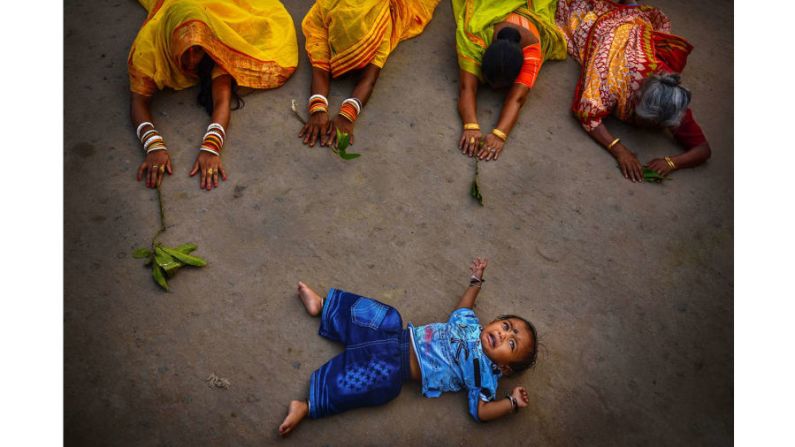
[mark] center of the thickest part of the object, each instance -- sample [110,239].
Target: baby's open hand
[478,267]
[520,394]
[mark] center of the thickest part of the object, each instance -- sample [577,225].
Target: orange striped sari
[346,35]
[252,40]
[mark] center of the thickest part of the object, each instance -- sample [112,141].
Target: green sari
[474,28]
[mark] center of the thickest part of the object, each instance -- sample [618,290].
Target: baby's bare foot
[295,413]
[312,301]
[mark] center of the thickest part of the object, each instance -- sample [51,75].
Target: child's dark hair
[530,360]
[205,97]
[503,59]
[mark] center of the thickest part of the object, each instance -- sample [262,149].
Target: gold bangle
[471,126]
[670,162]
[500,134]
[610,146]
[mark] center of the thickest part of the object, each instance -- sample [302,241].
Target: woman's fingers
[154,170]
[223,172]
[303,130]
[141,170]
[161,172]
[195,168]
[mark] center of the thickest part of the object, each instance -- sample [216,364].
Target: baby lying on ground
[380,355]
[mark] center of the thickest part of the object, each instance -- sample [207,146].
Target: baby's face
[506,341]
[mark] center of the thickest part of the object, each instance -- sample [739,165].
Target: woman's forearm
[320,82]
[692,157]
[467,97]
[366,83]
[514,101]
[139,109]
[222,100]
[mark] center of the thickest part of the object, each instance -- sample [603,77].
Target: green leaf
[343,140]
[159,277]
[142,252]
[474,191]
[346,156]
[186,258]
[650,175]
[186,248]
[165,260]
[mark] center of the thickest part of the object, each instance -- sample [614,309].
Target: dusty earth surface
[630,285]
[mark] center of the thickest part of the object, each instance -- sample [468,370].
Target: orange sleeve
[533,59]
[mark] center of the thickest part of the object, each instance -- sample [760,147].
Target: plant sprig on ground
[165,260]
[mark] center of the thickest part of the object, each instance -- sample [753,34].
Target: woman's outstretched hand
[154,167]
[491,148]
[629,164]
[343,125]
[209,165]
[318,128]
[660,166]
[478,267]
[470,140]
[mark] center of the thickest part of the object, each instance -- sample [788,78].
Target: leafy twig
[166,260]
[474,190]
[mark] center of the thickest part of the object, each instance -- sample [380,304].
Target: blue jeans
[375,362]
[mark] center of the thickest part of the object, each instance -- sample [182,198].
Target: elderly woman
[219,44]
[503,43]
[345,36]
[631,67]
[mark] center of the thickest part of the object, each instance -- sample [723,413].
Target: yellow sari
[475,20]
[345,35]
[252,40]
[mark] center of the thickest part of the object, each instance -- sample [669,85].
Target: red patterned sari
[617,46]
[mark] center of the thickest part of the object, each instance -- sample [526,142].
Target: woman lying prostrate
[219,44]
[347,36]
[503,44]
[631,67]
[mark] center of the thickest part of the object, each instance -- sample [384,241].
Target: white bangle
[212,132]
[141,126]
[151,140]
[146,134]
[207,149]
[325,100]
[216,126]
[157,148]
[356,104]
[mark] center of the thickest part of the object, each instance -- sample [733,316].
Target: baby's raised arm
[499,408]
[477,268]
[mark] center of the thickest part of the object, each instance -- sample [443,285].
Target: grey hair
[662,101]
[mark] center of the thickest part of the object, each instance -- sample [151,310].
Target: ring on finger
[210,171]
[471,140]
[155,166]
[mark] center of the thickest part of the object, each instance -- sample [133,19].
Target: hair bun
[509,33]
[671,80]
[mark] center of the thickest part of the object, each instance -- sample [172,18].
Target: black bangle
[514,407]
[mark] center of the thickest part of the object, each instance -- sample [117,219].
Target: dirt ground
[630,285]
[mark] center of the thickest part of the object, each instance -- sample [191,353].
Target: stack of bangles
[500,134]
[213,139]
[318,103]
[151,140]
[474,281]
[670,162]
[350,109]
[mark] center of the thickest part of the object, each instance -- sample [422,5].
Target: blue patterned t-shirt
[451,359]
